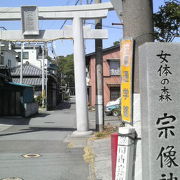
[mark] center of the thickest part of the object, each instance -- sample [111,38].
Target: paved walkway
[100,167]
[64,117]
[57,160]
[49,135]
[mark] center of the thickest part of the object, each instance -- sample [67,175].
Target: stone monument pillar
[160,110]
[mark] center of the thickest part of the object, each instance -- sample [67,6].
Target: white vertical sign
[125,154]
[121,164]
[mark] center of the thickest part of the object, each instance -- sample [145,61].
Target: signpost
[126,57]
[125,154]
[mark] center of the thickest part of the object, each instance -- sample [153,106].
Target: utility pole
[138,24]
[0,47]
[21,67]
[43,90]
[46,50]
[0,53]
[99,78]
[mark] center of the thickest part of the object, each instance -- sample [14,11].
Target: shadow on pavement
[19,120]
[30,130]
[22,131]
[64,105]
[14,120]
[41,114]
[52,129]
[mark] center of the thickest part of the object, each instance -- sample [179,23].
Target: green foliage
[66,97]
[167,21]
[38,99]
[66,68]
[107,131]
[116,43]
[50,59]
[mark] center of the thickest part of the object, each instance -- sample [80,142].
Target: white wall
[32,58]
[10,58]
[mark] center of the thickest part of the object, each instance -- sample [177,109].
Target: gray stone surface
[117,6]
[57,161]
[4,127]
[102,159]
[31,109]
[156,75]
[29,18]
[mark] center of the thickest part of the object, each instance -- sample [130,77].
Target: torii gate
[76,32]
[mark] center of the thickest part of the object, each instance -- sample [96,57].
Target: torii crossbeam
[52,35]
[59,12]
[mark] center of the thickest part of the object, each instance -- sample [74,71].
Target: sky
[65,47]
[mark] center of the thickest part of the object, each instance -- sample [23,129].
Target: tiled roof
[32,75]
[104,51]
[28,70]
[29,81]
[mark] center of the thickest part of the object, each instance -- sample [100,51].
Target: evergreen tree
[167,21]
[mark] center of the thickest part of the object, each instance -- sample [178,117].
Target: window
[25,55]
[114,93]
[114,67]
[9,63]
[1,60]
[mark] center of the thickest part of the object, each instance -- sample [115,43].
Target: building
[10,55]
[5,75]
[7,55]
[32,76]
[31,54]
[15,99]
[32,70]
[111,75]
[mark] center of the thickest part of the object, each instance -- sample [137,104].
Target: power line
[66,19]
[63,24]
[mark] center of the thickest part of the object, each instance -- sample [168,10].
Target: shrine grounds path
[47,136]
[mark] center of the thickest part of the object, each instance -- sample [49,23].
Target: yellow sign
[43,93]
[126,56]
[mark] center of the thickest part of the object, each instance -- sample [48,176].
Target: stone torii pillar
[80,79]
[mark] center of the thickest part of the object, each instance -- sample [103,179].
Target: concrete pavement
[61,156]
[56,161]
[63,117]
[100,167]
